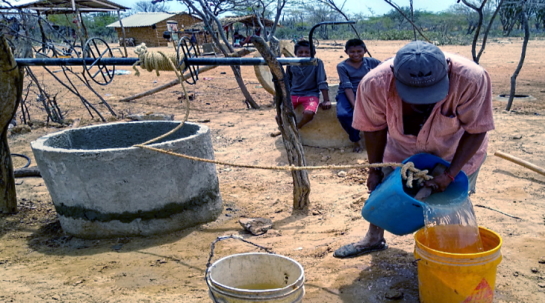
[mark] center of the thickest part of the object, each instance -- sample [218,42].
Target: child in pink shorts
[306,82]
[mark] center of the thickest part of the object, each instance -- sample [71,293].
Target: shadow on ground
[390,276]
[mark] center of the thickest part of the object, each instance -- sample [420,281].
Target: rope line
[161,61]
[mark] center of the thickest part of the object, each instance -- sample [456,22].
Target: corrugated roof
[144,19]
[63,6]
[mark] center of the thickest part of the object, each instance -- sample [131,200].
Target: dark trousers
[345,114]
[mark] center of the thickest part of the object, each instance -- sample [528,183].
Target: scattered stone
[272,233]
[117,247]
[78,282]
[516,274]
[316,212]
[535,270]
[190,96]
[394,294]
[55,125]
[36,124]
[541,260]
[203,120]
[151,116]
[20,129]
[542,285]
[325,158]
[256,226]
[516,137]
[342,174]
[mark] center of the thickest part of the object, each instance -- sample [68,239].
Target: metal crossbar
[132,61]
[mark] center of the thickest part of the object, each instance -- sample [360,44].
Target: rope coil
[157,61]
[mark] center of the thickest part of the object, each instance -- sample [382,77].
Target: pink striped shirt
[467,107]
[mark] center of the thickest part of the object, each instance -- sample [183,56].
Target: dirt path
[40,263]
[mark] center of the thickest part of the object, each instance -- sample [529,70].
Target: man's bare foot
[369,241]
[373,241]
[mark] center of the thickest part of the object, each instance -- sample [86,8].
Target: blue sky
[351,6]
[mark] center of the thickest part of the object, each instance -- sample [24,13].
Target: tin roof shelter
[59,6]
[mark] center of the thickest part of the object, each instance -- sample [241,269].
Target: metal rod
[311,33]
[131,61]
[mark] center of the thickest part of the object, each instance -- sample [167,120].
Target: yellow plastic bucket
[458,278]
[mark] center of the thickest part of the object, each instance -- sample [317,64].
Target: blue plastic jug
[391,208]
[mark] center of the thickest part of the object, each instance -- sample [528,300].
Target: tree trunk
[522,56]
[247,96]
[288,127]
[11,88]
[209,17]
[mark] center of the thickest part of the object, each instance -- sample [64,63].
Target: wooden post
[124,35]
[288,127]
[11,88]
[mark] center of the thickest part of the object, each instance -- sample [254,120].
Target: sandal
[351,250]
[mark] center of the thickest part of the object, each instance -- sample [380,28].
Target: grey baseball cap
[421,73]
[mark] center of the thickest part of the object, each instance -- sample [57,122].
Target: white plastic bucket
[256,277]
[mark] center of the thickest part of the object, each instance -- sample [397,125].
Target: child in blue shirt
[351,71]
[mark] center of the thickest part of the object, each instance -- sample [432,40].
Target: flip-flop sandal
[351,250]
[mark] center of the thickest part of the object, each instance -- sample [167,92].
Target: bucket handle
[213,246]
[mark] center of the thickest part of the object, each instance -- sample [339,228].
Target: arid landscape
[40,263]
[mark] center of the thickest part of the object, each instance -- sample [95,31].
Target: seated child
[238,39]
[351,71]
[306,82]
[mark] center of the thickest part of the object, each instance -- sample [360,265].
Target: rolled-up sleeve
[475,112]
[343,77]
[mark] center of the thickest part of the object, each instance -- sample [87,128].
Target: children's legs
[307,117]
[345,114]
[310,107]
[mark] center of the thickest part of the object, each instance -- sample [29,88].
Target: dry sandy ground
[40,263]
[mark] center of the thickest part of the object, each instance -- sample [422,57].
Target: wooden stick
[521,162]
[167,85]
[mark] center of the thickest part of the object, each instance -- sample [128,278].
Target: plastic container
[456,278]
[256,277]
[391,208]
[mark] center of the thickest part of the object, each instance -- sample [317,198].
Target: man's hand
[439,183]
[374,179]
[325,105]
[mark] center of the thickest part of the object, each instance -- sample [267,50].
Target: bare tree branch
[399,10]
